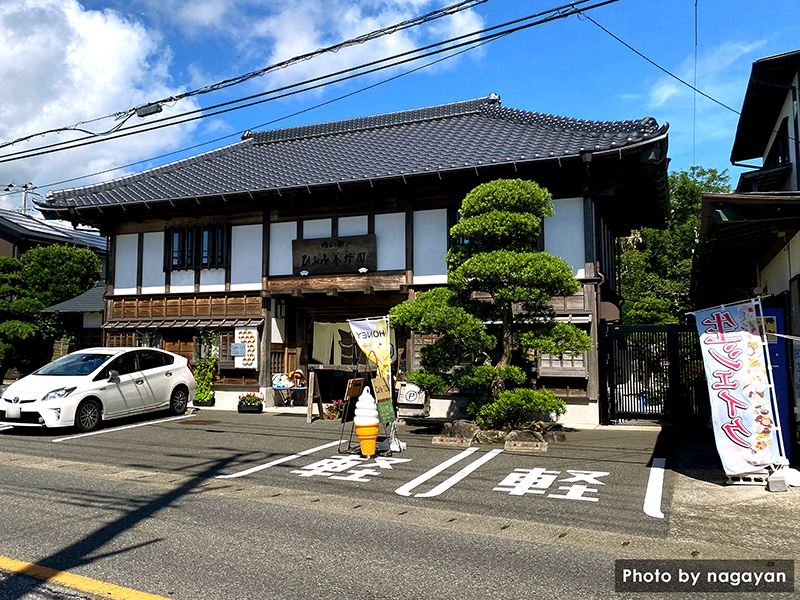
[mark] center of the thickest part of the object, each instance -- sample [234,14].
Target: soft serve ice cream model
[366,422]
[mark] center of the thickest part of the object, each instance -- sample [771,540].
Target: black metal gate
[652,373]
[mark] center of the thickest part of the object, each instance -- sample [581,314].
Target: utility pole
[25,189]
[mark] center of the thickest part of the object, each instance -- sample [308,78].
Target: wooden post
[314,397]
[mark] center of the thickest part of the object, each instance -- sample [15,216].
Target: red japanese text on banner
[739,387]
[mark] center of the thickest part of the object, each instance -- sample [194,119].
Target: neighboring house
[749,243]
[83,316]
[277,240]
[20,232]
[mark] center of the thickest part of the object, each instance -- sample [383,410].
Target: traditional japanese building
[286,234]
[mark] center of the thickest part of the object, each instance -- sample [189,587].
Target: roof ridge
[576,125]
[401,117]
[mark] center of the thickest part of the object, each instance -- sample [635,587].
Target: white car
[85,387]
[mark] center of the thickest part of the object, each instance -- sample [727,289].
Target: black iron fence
[652,373]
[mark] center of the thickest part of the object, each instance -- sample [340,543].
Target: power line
[155,106]
[694,96]
[660,68]
[689,85]
[559,12]
[273,121]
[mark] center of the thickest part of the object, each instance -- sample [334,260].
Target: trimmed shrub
[514,409]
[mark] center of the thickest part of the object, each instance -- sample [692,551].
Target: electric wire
[273,121]
[687,84]
[148,125]
[127,114]
[560,12]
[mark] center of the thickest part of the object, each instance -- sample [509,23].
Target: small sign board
[238,350]
[384,397]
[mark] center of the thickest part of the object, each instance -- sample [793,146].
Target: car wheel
[87,416]
[179,401]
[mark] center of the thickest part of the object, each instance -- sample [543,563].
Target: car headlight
[59,393]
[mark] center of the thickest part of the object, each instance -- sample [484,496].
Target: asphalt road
[588,482]
[223,505]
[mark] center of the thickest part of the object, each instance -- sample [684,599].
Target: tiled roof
[25,226]
[89,301]
[461,135]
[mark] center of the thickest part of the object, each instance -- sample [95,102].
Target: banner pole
[773,397]
[723,306]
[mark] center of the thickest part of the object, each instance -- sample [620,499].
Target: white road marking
[112,430]
[451,481]
[278,461]
[4,427]
[655,488]
[405,490]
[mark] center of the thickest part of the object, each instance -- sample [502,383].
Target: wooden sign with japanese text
[322,256]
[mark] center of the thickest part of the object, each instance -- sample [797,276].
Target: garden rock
[460,429]
[490,436]
[525,435]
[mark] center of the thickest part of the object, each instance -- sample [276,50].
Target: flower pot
[209,402]
[251,408]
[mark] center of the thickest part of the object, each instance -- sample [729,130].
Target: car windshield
[74,364]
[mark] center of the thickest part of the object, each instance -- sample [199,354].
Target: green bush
[514,409]
[205,369]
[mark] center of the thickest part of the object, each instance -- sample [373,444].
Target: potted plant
[251,402]
[205,369]
[334,410]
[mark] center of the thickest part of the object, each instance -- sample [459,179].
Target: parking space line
[405,490]
[76,582]
[655,488]
[113,429]
[4,427]
[451,481]
[279,461]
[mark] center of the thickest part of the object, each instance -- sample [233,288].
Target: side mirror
[112,375]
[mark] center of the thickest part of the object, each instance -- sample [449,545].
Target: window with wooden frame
[193,247]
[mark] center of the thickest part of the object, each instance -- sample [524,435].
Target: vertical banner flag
[739,386]
[372,336]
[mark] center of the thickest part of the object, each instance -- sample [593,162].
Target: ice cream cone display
[366,422]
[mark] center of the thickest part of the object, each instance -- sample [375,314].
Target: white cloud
[696,121]
[68,65]
[277,30]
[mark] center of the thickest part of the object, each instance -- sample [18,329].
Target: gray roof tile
[438,138]
[89,301]
[53,232]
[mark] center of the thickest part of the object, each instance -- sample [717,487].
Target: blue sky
[63,62]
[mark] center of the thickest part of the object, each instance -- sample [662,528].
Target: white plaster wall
[787,111]
[280,247]
[774,278]
[563,233]
[181,281]
[317,228]
[125,262]
[212,280]
[430,246]
[278,330]
[353,225]
[153,263]
[390,235]
[246,259]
